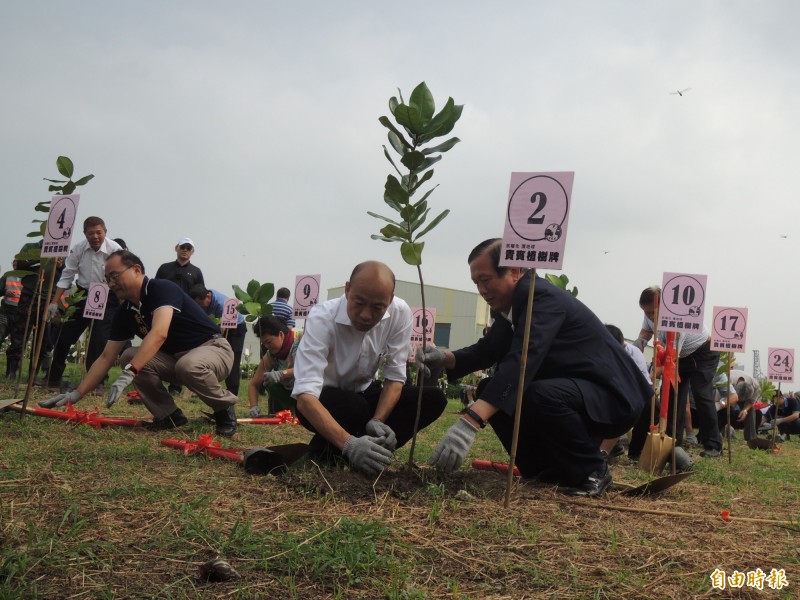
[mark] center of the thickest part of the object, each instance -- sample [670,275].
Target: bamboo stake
[520,387]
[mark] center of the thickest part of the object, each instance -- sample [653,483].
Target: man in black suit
[580,387]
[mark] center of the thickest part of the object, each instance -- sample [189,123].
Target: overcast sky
[252,127]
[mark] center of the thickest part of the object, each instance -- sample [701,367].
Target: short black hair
[616,333]
[93,222]
[283,293]
[269,325]
[127,258]
[198,292]
[649,295]
[491,247]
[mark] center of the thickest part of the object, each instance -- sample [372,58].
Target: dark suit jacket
[567,341]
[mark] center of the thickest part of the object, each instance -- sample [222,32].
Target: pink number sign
[780,364]
[536,220]
[96,300]
[60,223]
[730,329]
[230,316]
[682,300]
[306,294]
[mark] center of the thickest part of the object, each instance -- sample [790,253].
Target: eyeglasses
[185,247]
[111,278]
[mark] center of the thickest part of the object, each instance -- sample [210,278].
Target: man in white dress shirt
[84,265]
[346,342]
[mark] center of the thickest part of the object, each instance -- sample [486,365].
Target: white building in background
[460,316]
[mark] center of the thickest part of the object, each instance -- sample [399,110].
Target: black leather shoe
[593,486]
[171,421]
[226,421]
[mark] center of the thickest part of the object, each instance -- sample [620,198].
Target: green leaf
[397,143]
[395,191]
[242,309]
[54,188]
[253,308]
[34,234]
[408,213]
[64,166]
[427,175]
[43,207]
[84,180]
[388,124]
[419,219]
[442,123]
[252,289]
[433,223]
[69,187]
[265,293]
[430,160]
[422,101]
[18,273]
[413,160]
[395,231]
[443,147]
[393,103]
[241,295]
[389,158]
[387,219]
[412,252]
[429,192]
[385,239]
[395,205]
[409,118]
[54,180]
[29,254]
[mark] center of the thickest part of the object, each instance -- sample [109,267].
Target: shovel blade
[657,485]
[656,452]
[9,402]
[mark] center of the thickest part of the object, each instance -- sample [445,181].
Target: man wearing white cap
[181,270]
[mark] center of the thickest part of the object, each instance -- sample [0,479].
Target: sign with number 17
[730,329]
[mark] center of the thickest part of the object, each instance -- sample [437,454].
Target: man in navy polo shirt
[180,344]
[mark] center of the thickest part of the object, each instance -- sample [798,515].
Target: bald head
[369,293]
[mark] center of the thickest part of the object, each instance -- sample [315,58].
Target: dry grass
[110,513]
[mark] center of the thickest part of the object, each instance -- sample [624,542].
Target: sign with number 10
[536,220]
[682,300]
[780,364]
[730,329]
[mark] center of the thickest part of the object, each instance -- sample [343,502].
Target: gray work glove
[271,377]
[119,385]
[384,434]
[366,454]
[60,400]
[640,343]
[254,412]
[430,357]
[451,451]
[52,311]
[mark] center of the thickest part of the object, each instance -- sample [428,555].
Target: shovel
[274,460]
[9,402]
[658,446]
[759,444]
[657,485]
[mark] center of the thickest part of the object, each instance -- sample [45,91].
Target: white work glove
[254,412]
[366,454]
[451,451]
[383,433]
[119,385]
[52,311]
[60,400]
[430,357]
[271,377]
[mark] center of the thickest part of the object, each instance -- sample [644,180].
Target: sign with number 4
[60,225]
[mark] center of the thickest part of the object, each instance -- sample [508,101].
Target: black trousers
[352,410]
[697,373]
[236,340]
[558,441]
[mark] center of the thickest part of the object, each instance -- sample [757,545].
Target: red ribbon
[726,515]
[207,446]
[666,357]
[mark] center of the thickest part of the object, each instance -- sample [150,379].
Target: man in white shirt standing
[346,342]
[84,265]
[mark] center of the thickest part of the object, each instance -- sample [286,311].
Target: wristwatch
[131,368]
